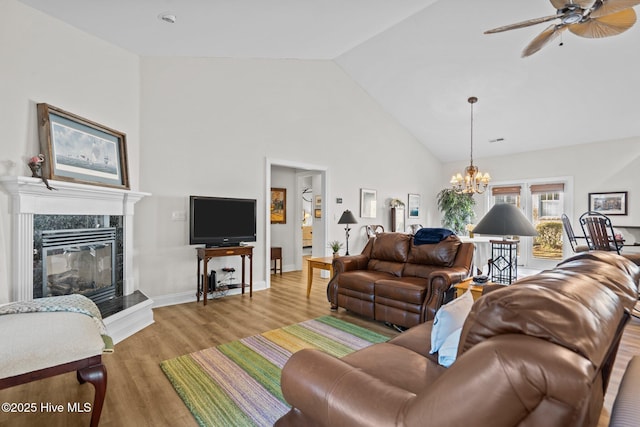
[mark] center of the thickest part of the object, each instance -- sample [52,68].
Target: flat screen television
[221,221]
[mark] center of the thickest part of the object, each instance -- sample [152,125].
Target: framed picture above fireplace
[79,150]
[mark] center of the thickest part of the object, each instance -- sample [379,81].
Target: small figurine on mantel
[35,164]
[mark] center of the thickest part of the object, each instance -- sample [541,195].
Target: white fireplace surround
[29,197]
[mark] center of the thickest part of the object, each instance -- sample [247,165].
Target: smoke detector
[167,17]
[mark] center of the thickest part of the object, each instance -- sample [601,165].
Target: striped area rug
[238,383]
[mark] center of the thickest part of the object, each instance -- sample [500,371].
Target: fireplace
[73,206]
[79,262]
[78,254]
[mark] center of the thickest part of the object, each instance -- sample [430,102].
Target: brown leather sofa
[536,353]
[396,281]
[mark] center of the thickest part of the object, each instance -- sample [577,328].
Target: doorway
[542,202]
[296,176]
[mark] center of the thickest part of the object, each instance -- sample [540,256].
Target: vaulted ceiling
[419,59]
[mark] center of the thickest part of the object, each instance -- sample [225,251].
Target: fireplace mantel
[30,197]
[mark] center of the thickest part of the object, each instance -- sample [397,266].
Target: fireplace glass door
[79,261]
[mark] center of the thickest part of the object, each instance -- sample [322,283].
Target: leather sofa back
[397,254]
[548,307]
[389,252]
[424,259]
[613,272]
[391,247]
[442,254]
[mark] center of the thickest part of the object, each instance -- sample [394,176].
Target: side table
[476,290]
[323,263]
[276,254]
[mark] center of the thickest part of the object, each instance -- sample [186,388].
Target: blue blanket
[431,235]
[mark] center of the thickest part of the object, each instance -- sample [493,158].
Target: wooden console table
[205,254]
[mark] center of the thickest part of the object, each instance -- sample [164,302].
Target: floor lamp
[347,218]
[504,220]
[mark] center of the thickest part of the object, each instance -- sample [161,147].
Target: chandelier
[473,181]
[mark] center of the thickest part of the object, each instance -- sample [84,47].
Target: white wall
[597,167]
[200,126]
[205,126]
[45,60]
[209,124]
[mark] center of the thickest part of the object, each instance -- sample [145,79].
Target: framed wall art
[367,203]
[317,210]
[612,203]
[414,205]
[278,205]
[79,150]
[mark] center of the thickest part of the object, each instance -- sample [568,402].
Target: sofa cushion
[412,290]
[391,247]
[419,270]
[390,267]
[415,338]
[442,254]
[450,317]
[361,281]
[382,361]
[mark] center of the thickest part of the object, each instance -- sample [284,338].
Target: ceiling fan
[585,18]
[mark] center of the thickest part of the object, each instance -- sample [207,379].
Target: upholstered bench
[52,336]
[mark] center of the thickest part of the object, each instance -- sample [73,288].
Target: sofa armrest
[332,392]
[341,265]
[350,263]
[439,282]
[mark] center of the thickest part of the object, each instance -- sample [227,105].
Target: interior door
[546,205]
[543,204]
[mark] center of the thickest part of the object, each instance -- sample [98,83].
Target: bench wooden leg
[96,375]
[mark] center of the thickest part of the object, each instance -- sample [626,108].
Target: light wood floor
[138,393]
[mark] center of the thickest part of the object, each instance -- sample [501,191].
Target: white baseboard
[133,319]
[129,321]
[289,267]
[190,296]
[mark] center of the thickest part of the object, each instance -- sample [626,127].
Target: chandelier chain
[473,180]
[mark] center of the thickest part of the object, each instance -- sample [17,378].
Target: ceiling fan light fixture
[584,18]
[572,18]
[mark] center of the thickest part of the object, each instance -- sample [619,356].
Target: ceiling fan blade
[561,4]
[607,7]
[523,24]
[585,4]
[550,33]
[605,26]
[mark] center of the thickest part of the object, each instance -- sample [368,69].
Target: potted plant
[457,209]
[335,246]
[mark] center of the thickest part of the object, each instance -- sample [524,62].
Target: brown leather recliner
[536,353]
[396,281]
